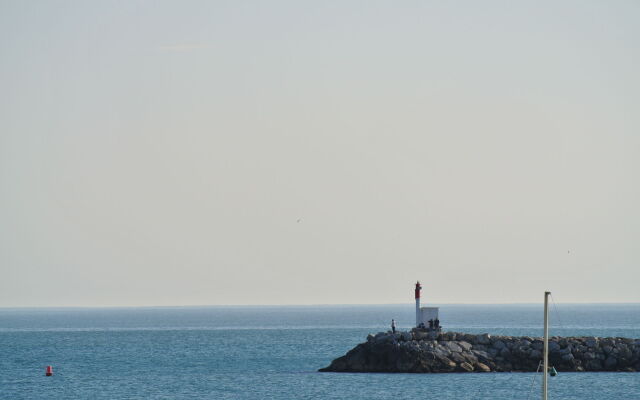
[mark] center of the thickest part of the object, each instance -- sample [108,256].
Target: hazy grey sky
[295,152]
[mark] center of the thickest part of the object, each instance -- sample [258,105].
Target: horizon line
[309,305]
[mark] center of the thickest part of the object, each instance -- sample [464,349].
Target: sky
[318,152]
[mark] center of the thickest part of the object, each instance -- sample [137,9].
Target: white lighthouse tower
[426,316]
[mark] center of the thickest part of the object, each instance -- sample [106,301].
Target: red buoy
[49,371]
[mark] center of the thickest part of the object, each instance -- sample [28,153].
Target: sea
[274,352]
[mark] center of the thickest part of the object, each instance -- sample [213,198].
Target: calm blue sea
[274,352]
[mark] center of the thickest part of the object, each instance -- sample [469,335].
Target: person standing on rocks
[393,325]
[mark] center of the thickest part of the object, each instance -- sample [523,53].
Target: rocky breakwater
[420,351]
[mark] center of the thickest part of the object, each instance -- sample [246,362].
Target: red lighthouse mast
[418,289]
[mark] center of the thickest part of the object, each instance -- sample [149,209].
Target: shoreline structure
[427,351]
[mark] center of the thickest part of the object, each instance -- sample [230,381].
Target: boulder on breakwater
[421,351]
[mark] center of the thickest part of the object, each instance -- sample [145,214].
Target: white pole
[545,359]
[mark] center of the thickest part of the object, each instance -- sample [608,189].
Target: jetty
[426,348]
[428,351]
